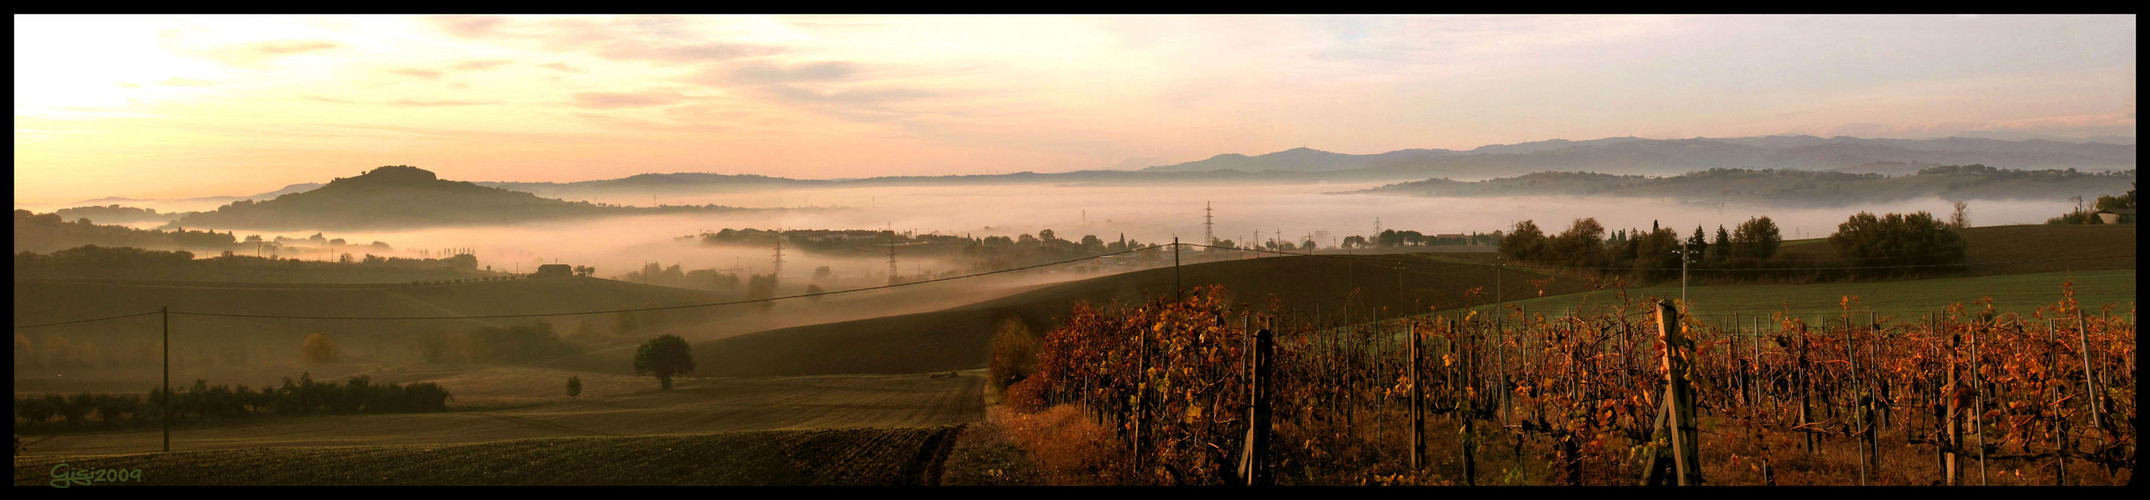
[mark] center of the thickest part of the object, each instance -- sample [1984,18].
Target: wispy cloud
[420,73]
[610,121]
[403,102]
[293,47]
[478,65]
[469,26]
[681,53]
[442,102]
[841,89]
[765,73]
[634,38]
[608,100]
[252,54]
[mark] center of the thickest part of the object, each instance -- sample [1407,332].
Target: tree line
[359,394]
[34,230]
[1909,242]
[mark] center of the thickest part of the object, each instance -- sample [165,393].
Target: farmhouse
[554,271]
[2117,216]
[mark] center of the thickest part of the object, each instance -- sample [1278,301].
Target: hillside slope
[956,338]
[401,197]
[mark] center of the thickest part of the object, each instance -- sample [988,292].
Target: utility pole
[167,312]
[1175,269]
[1683,276]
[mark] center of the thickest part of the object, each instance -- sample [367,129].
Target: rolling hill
[956,338]
[401,197]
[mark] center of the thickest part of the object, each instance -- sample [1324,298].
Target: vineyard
[1968,395]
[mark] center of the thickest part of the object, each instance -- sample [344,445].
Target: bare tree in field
[1961,218]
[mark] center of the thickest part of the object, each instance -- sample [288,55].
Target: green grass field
[2022,293]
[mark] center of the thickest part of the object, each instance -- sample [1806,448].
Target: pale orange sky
[180,106]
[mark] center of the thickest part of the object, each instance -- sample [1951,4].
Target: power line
[1731,269]
[988,273]
[661,308]
[42,325]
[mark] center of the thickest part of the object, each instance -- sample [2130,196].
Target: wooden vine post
[2090,377]
[1418,402]
[1254,458]
[1675,461]
[1953,429]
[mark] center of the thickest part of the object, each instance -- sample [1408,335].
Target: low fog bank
[1145,214]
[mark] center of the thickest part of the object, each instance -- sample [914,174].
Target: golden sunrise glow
[228,104]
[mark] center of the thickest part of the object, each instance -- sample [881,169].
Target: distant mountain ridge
[1806,187]
[1612,155]
[1637,156]
[293,188]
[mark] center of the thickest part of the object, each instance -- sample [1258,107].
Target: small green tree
[664,357]
[1720,248]
[574,386]
[1899,241]
[1525,243]
[1757,238]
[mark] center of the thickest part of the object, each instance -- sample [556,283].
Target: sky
[183,106]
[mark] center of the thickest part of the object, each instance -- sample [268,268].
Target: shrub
[1027,396]
[1015,354]
[518,344]
[317,349]
[34,410]
[71,408]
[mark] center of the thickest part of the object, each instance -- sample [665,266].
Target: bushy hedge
[305,396]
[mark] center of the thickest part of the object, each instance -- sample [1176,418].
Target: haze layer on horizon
[183,106]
